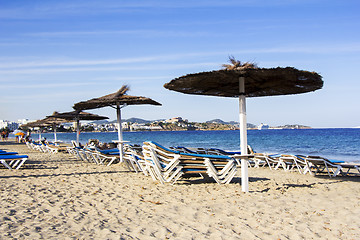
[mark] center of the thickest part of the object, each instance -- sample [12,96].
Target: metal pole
[78,132]
[243,136]
[54,127]
[120,137]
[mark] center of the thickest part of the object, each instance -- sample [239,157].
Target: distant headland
[172,124]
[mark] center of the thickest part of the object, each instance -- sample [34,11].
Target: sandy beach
[58,197]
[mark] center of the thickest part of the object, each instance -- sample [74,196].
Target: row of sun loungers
[225,170]
[170,164]
[46,147]
[305,164]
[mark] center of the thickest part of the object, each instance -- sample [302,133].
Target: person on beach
[43,141]
[28,137]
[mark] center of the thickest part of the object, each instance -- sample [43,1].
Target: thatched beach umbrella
[247,80]
[116,100]
[46,122]
[77,116]
[37,123]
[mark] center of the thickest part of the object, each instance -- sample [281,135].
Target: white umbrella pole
[243,136]
[55,137]
[120,137]
[77,132]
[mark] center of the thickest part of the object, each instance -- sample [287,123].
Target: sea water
[341,144]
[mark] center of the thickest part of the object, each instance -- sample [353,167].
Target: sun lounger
[104,159]
[184,149]
[320,165]
[8,153]
[35,146]
[291,163]
[264,159]
[13,161]
[161,164]
[169,165]
[349,166]
[134,158]
[225,175]
[52,148]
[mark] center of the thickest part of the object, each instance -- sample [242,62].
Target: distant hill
[250,125]
[143,121]
[100,122]
[217,121]
[136,120]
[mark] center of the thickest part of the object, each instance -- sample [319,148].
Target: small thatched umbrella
[46,122]
[247,80]
[37,123]
[76,116]
[116,100]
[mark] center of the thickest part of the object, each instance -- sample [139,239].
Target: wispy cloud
[139,32]
[21,65]
[48,85]
[105,68]
[70,62]
[46,9]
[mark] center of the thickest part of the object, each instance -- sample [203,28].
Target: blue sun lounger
[13,161]
[8,153]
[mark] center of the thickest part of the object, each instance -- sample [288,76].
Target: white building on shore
[8,124]
[263,126]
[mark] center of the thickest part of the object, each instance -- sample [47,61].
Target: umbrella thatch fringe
[237,65]
[122,91]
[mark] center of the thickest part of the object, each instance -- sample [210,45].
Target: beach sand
[56,197]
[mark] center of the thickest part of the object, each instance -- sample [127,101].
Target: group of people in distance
[4,135]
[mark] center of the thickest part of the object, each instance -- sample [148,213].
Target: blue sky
[56,53]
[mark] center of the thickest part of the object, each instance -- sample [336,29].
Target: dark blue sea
[341,144]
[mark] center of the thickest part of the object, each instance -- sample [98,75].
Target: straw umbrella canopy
[246,80]
[46,122]
[115,100]
[76,116]
[37,123]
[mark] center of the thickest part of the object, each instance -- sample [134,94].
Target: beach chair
[104,151]
[183,149]
[7,153]
[223,176]
[264,159]
[103,159]
[321,165]
[13,161]
[134,158]
[52,148]
[101,156]
[162,164]
[349,166]
[292,163]
[28,144]
[288,163]
[36,146]
[174,164]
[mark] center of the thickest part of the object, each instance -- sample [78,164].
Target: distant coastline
[173,124]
